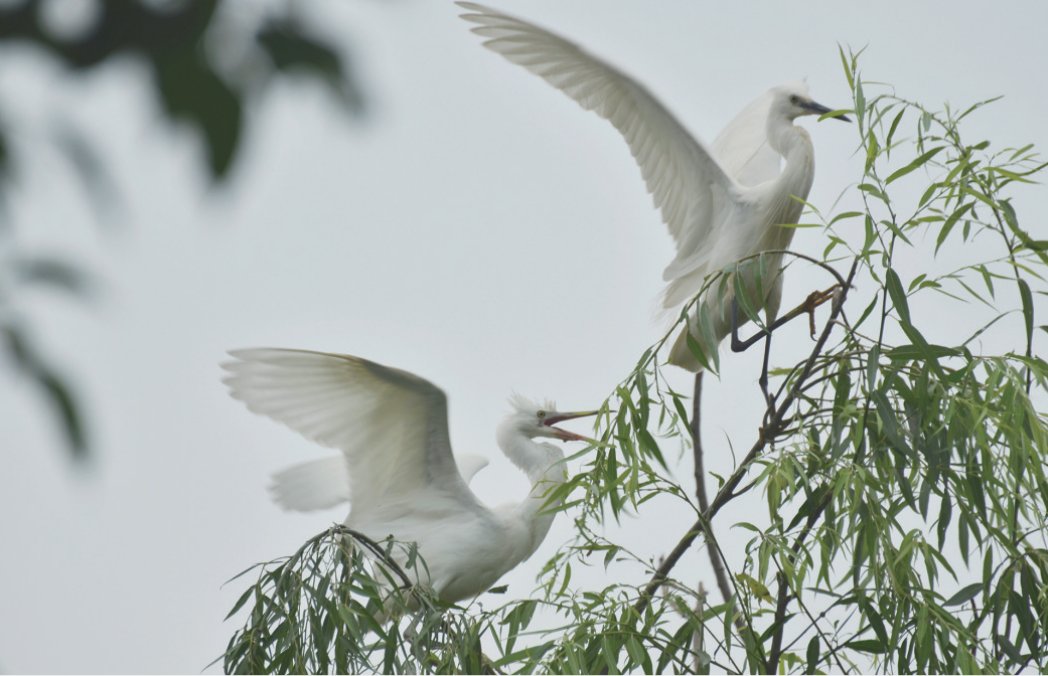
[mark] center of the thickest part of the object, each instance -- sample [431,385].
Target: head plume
[522,404]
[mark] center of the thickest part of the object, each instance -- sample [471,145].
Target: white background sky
[478,228]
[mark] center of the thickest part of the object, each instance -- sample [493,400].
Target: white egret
[396,468]
[721,205]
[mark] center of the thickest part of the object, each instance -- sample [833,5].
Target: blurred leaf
[5,157]
[62,275]
[89,168]
[191,90]
[54,388]
[65,408]
[292,51]
[16,346]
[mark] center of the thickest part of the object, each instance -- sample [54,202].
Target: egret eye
[541,414]
[795,99]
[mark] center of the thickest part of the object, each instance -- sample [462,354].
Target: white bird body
[773,201]
[720,205]
[396,468]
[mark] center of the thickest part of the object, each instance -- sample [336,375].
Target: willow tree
[900,481]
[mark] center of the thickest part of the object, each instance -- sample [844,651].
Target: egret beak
[819,109]
[564,434]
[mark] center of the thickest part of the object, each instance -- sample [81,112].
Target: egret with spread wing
[721,205]
[396,468]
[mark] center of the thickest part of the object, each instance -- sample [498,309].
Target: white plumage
[396,467]
[719,206]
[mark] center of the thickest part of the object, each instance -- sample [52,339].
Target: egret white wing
[391,425]
[469,464]
[688,186]
[742,147]
[324,483]
[313,485]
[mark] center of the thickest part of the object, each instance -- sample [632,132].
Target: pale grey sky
[479,229]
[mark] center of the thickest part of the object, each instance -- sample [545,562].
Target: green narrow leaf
[756,587]
[873,646]
[873,149]
[240,602]
[951,221]
[860,101]
[1027,298]
[893,127]
[845,216]
[874,190]
[945,514]
[847,68]
[916,164]
[871,234]
[898,296]
[964,595]
[813,654]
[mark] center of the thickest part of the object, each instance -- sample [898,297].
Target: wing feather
[313,485]
[685,181]
[391,425]
[742,147]
[324,483]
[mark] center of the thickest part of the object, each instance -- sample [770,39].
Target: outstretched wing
[690,189]
[312,485]
[742,147]
[391,425]
[324,483]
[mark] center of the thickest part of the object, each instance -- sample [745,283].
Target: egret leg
[738,345]
[814,300]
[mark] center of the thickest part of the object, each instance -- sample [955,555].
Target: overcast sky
[478,228]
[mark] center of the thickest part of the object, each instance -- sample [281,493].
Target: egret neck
[795,146]
[544,466]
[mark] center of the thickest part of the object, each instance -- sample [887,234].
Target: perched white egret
[721,205]
[396,468]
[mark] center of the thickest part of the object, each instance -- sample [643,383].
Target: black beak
[820,109]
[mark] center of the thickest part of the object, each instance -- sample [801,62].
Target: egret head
[535,419]
[792,101]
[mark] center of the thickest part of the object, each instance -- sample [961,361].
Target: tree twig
[716,556]
[766,434]
[779,623]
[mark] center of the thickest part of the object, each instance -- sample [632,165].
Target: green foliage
[51,386]
[340,589]
[195,82]
[897,476]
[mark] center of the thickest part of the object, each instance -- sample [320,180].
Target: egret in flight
[396,468]
[720,205]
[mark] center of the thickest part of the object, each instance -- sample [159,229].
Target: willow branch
[726,493]
[716,556]
[779,623]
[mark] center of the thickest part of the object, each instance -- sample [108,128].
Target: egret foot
[814,300]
